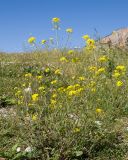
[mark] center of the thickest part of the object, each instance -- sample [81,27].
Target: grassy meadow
[64,104]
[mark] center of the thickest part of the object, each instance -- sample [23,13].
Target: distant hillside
[117,38]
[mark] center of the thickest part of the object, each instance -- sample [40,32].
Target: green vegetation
[64,105]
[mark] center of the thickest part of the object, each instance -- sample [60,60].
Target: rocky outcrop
[118,38]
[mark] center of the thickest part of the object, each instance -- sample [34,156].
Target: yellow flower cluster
[58,72]
[28,75]
[43,41]
[119,71]
[103,59]
[56,19]
[90,43]
[119,83]
[35,97]
[74,89]
[54,81]
[99,110]
[63,59]
[31,40]
[100,70]
[69,30]
[70,51]
[86,37]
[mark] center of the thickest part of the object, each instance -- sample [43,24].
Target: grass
[71,108]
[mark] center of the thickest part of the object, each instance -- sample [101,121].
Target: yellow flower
[54,82]
[72,92]
[41,88]
[28,75]
[100,70]
[103,59]
[121,68]
[70,87]
[61,89]
[90,42]
[92,68]
[53,102]
[116,74]
[58,72]
[43,41]
[92,84]
[93,90]
[76,130]
[35,97]
[30,105]
[63,59]
[31,40]
[81,78]
[90,47]
[70,51]
[56,19]
[47,70]
[79,90]
[74,60]
[39,77]
[76,86]
[85,37]
[54,95]
[19,102]
[34,117]
[18,93]
[119,83]
[23,84]
[69,30]
[98,110]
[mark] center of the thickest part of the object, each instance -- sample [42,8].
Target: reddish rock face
[117,38]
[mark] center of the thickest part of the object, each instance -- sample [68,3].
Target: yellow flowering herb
[81,78]
[58,72]
[31,40]
[116,74]
[55,19]
[85,37]
[98,110]
[121,68]
[63,59]
[35,97]
[39,77]
[54,82]
[41,88]
[43,41]
[28,75]
[69,30]
[103,59]
[76,130]
[72,92]
[71,51]
[119,83]
[34,117]
[54,95]
[53,102]
[90,42]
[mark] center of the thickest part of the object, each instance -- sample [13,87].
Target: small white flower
[98,123]
[28,90]
[71,115]
[18,149]
[28,149]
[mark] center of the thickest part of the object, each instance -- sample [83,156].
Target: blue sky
[21,18]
